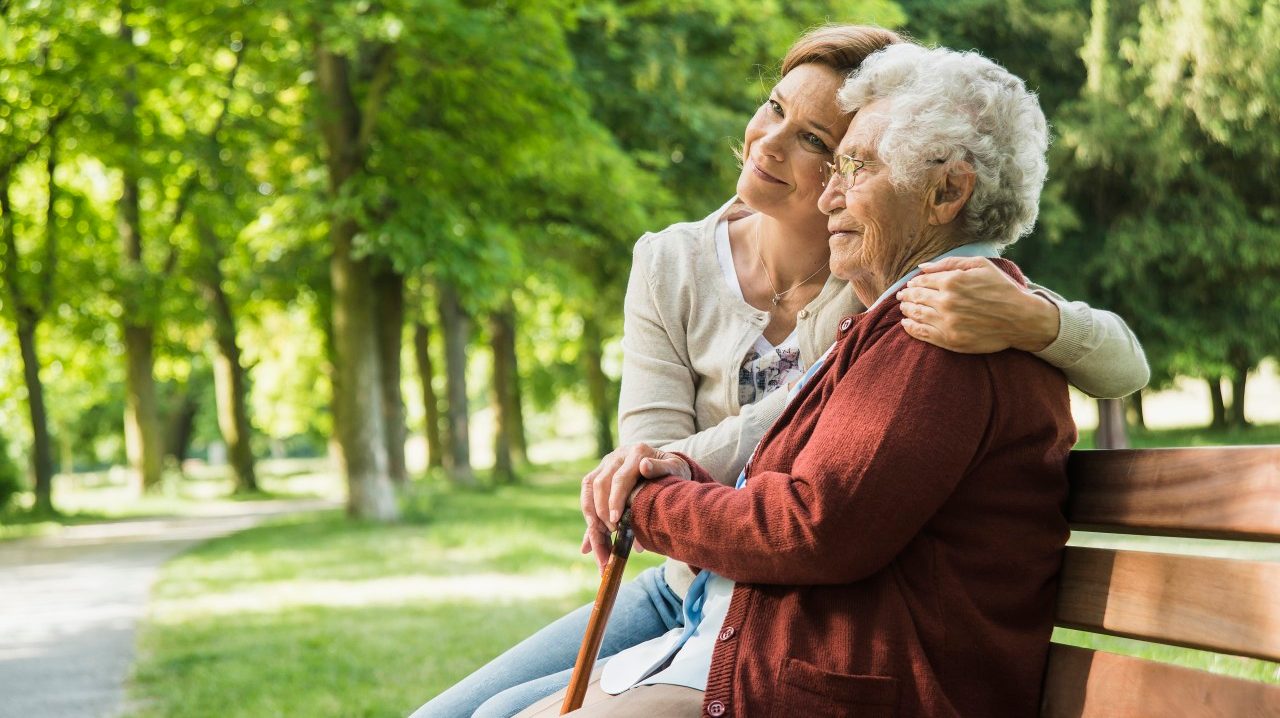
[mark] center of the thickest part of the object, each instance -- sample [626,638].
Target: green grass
[104,496]
[316,615]
[1193,436]
[1213,662]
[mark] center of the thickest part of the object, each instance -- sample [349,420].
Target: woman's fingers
[964,304]
[923,332]
[922,313]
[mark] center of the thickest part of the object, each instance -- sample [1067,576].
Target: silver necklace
[777,296]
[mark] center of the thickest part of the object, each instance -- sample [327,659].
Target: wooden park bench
[1227,606]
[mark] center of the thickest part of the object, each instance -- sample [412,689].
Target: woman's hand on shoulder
[969,305]
[607,490]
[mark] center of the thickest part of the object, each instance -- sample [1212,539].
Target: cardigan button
[727,633]
[715,709]
[848,322]
[803,314]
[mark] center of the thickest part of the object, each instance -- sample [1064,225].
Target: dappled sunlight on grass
[92,497]
[318,615]
[472,589]
[368,661]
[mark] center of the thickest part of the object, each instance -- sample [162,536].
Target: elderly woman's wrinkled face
[874,226]
[789,141]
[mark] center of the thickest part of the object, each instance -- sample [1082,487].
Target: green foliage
[1160,203]
[10,477]
[1180,226]
[519,149]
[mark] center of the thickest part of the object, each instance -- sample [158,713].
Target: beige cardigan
[685,333]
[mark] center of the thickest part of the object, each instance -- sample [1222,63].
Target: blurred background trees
[254,228]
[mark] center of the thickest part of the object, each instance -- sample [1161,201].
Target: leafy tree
[1177,226]
[37,73]
[674,86]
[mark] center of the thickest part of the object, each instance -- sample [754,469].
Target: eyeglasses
[842,171]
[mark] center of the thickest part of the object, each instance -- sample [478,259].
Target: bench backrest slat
[1220,605]
[1211,492]
[1092,684]
[1223,605]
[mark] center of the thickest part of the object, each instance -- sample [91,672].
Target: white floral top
[765,367]
[762,372]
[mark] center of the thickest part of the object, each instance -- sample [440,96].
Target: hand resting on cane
[607,488]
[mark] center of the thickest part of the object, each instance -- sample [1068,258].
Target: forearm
[739,546]
[723,450]
[1096,350]
[1035,324]
[876,466]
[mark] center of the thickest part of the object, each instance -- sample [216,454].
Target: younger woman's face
[789,141]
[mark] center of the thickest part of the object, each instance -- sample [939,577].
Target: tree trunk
[519,440]
[358,416]
[1219,406]
[597,385]
[1139,413]
[182,426]
[231,391]
[515,404]
[230,379]
[457,330]
[1111,429]
[28,318]
[144,441]
[502,342]
[1236,416]
[389,290]
[431,403]
[42,454]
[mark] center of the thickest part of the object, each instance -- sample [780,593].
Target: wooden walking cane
[609,583]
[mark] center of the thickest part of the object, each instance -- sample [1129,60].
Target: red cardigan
[897,544]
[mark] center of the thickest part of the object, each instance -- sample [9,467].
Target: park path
[70,603]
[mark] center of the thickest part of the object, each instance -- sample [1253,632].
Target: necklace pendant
[777,299]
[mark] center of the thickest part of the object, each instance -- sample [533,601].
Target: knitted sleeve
[896,435]
[1095,349]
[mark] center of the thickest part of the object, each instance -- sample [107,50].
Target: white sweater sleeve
[1095,349]
[656,403]
[724,449]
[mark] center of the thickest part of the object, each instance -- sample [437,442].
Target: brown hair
[840,47]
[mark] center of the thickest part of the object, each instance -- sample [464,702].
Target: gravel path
[69,605]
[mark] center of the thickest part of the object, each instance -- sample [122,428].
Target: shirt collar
[976,249]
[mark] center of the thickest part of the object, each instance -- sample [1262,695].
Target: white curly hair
[951,107]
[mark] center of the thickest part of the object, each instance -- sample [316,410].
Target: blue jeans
[542,663]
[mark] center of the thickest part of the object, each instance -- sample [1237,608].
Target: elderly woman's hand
[607,489]
[967,305]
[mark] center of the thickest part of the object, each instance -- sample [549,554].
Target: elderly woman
[722,314]
[891,546]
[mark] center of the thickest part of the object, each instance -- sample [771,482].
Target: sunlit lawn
[92,497]
[315,615]
[318,616]
[1193,436]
